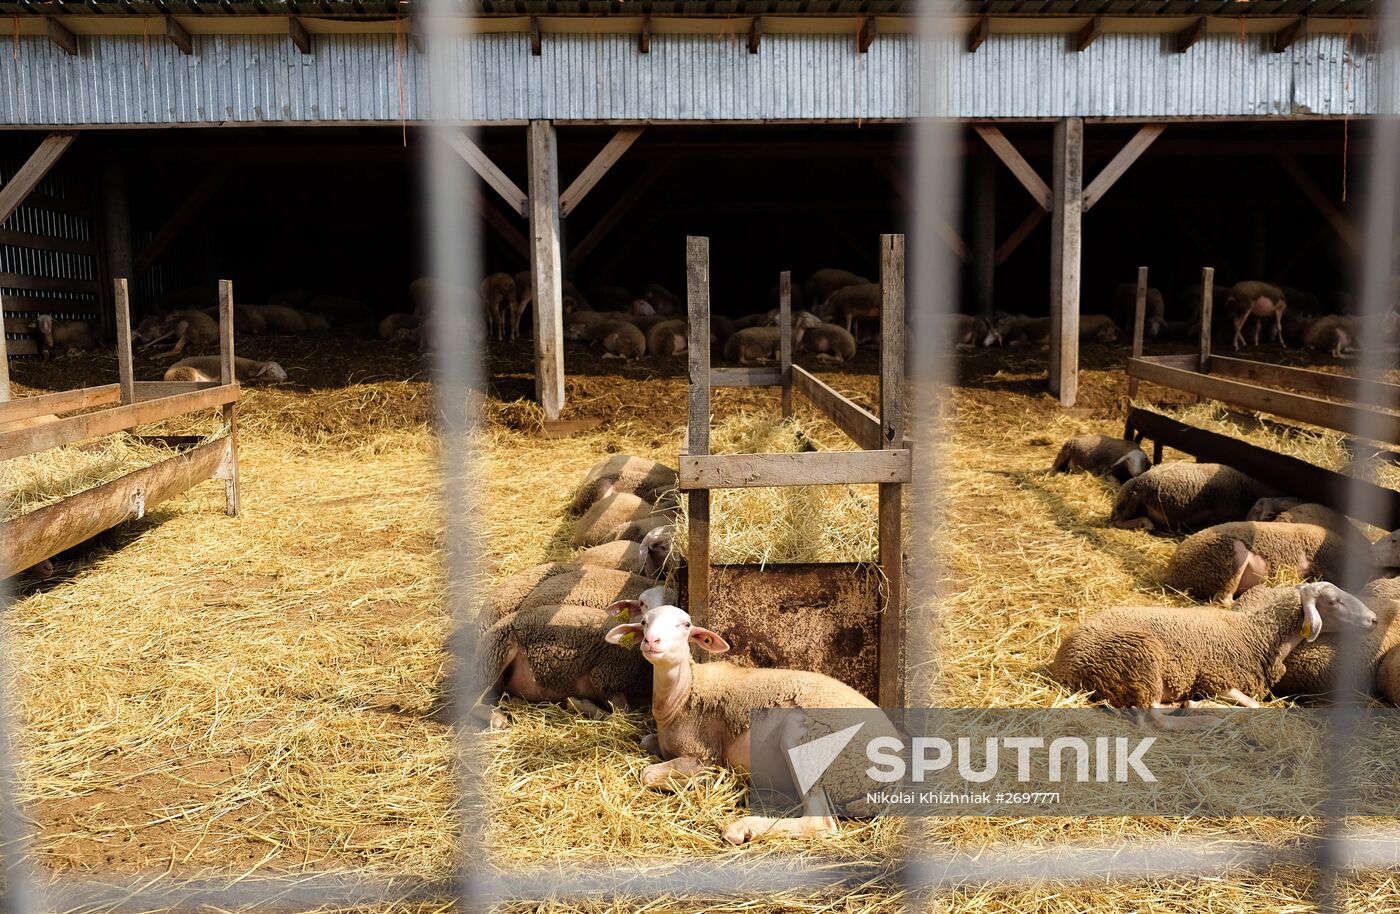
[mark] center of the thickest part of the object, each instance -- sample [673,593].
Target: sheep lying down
[1167,657]
[1101,455]
[1186,496]
[702,716]
[562,583]
[1222,562]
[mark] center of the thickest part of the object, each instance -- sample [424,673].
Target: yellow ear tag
[1307,630]
[629,639]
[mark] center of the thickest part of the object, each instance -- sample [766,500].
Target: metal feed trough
[884,460]
[31,538]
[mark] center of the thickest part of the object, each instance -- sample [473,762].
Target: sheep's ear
[708,640]
[627,610]
[1312,619]
[631,630]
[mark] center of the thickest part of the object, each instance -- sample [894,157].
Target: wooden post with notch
[126,375]
[891,507]
[785,337]
[546,266]
[697,287]
[1207,316]
[227,375]
[1066,218]
[1139,316]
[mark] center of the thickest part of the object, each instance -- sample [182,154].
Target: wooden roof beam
[601,164]
[60,35]
[644,36]
[1345,230]
[900,183]
[981,28]
[866,36]
[1013,160]
[182,217]
[297,32]
[535,45]
[1089,34]
[1120,163]
[579,252]
[755,34]
[481,164]
[1285,37]
[178,35]
[1190,35]
[508,232]
[14,191]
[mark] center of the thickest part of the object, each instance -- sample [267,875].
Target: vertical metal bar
[121,316]
[785,345]
[697,287]
[1139,316]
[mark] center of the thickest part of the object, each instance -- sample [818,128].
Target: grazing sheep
[206,368]
[558,654]
[1097,328]
[63,336]
[391,326]
[756,344]
[502,305]
[968,332]
[189,327]
[1019,330]
[1186,496]
[619,516]
[653,557]
[648,480]
[821,285]
[828,341]
[1125,309]
[1164,657]
[1101,455]
[1222,562]
[1258,300]
[337,309]
[702,713]
[1335,333]
[1313,669]
[561,583]
[854,303]
[667,338]
[662,300]
[248,319]
[281,319]
[620,339]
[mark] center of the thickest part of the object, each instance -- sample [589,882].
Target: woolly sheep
[856,303]
[562,583]
[206,368]
[653,557]
[1312,668]
[1258,300]
[579,324]
[828,341]
[646,479]
[248,319]
[1334,333]
[619,516]
[63,336]
[667,338]
[1186,496]
[1385,555]
[1162,657]
[1101,455]
[612,298]
[558,654]
[757,344]
[1097,328]
[967,332]
[281,319]
[502,305]
[391,326]
[702,713]
[1125,309]
[189,327]
[822,284]
[1297,511]
[619,339]
[661,299]
[1019,330]
[1224,561]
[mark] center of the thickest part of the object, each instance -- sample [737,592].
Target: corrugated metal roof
[360,8]
[355,79]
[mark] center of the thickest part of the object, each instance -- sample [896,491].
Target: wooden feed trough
[859,628]
[43,533]
[1316,398]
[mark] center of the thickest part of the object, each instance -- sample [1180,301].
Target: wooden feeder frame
[884,460]
[1292,393]
[31,538]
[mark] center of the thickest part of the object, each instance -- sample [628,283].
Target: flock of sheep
[605,630]
[1274,639]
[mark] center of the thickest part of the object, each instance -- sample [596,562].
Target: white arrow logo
[811,759]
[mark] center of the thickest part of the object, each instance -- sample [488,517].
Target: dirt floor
[265,694]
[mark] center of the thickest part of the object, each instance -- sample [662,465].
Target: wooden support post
[116,250]
[60,35]
[1066,216]
[984,232]
[126,374]
[4,357]
[891,507]
[785,338]
[14,191]
[546,267]
[227,375]
[1207,316]
[1139,318]
[697,289]
[176,224]
[601,164]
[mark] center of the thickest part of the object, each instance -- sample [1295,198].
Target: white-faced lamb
[653,557]
[63,336]
[620,516]
[1186,496]
[1164,657]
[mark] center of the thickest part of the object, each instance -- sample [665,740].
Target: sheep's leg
[1062,462]
[586,708]
[651,744]
[620,704]
[1239,326]
[176,349]
[1258,325]
[1250,570]
[1278,324]
[818,818]
[1239,697]
[156,339]
[1155,718]
[675,773]
[1136,523]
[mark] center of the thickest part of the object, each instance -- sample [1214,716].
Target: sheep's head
[1385,552]
[1327,607]
[666,634]
[1129,466]
[1266,509]
[641,308]
[271,371]
[986,332]
[656,550]
[44,324]
[805,320]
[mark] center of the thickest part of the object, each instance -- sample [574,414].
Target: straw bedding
[264,694]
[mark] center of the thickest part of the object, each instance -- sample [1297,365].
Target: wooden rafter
[178,35]
[755,34]
[1285,37]
[1089,34]
[182,217]
[13,193]
[1324,204]
[1013,160]
[490,173]
[601,164]
[981,28]
[644,36]
[299,35]
[901,186]
[866,36]
[1019,235]
[614,214]
[60,35]
[503,226]
[1120,163]
[1190,35]
[536,46]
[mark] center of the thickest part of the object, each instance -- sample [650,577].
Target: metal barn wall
[121,80]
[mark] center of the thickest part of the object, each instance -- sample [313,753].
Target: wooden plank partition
[884,459]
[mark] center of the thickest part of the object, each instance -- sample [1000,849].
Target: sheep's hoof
[742,831]
[586,708]
[656,775]
[498,721]
[651,744]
